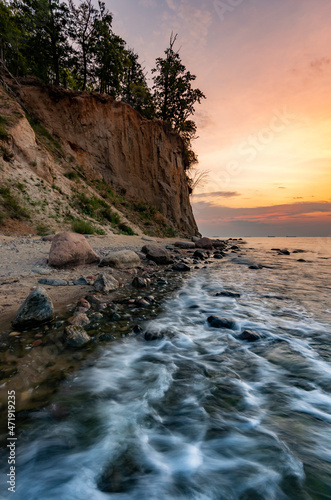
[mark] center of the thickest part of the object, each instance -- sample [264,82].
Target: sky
[265,128]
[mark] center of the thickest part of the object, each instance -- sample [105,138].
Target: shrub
[71,175]
[3,132]
[111,217]
[125,229]
[42,229]
[82,227]
[12,206]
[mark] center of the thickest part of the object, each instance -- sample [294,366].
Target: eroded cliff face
[112,141]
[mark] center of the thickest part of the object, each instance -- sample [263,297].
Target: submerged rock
[71,249]
[156,254]
[225,293]
[123,259]
[199,255]
[76,336]
[250,335]
[105,283]
[35,310]
[217,322]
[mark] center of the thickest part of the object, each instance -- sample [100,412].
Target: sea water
[201,414]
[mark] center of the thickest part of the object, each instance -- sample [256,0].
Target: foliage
[125,229]
[42,229]
[82,227]
[3,133]
[11,204]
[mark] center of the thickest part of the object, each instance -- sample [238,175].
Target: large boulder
[185,245]
[105,283]
[35,310]
[205,243]
[156,254]
[123,259]
[71,249]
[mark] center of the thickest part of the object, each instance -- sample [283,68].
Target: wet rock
[299,251]
[141,303]
[217,322]
[36,309]
[234,247]
[225,293]
[250,336]
[37,343]
[157,254]
[153,335]
[218,256]
[105,283]
[14,334]
[79,319]
[71,249]
[185,245]
[199,255]
[256,266]
[106,337]
[139,282]
[137,329]
[205,243]
[76,336]
[301,260]
[284,252]
[123,259]
[181,267]
[219,244]
[52,282]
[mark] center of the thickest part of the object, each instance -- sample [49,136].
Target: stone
[219,244]
[123,259]
[284,252]
[139,282]
[195,239]
[52,282]
[76,336]
[199,255]
[81,281]
[185,245]
[256,266]
[105,283]
[181,267]
[14,334]
[217,322]
[41,270]
[218,256]
[83,303]
[36,343]
[156,254]
[148,238]
[153,335]
[71,249]
[141,303]
[49,237]
[225,293]
[301,260]
[35,310]
[79,319]
[234,247]
[250,335]
[205,243]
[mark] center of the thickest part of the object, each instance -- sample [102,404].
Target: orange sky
[264,130]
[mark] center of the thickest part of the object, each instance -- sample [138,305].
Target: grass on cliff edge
[11,205]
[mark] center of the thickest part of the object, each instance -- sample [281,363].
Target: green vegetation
[11,205]
[125,229]
[45,136]
[3,133]
[82,227]
[71,175]
[42,229]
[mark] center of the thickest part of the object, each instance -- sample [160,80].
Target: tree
[85,17]
[44,24]
[173,93]
[135,90]
[10,37]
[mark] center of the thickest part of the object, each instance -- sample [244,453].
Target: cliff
[104,142]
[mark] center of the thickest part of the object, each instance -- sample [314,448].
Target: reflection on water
[202,414]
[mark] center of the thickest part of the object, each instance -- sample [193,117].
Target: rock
[217,322]
[81,281]
[234,247]
[76,336]
[52,282]
[156,254]
[105,283]
[218,256]
[83,303]
[218,243]
[71,249]
[123,259]
[14,334]
[36,309]
[250,336]
[141,303]
[139,282]
[41,270]
[181,267]
[301,260]
[284,252]
[224,293]
[79,319]
[195,239]
[256,266]
[148,238]
[49,237]
[199,255]
[299,251]
[153,335]
[205,243]
[36,343]
[185,245]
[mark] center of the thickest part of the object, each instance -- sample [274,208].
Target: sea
[201,414]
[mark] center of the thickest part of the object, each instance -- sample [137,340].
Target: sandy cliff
[110,140]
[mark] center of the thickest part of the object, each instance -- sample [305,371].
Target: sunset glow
[264,130]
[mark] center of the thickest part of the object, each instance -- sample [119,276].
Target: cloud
[223,194]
